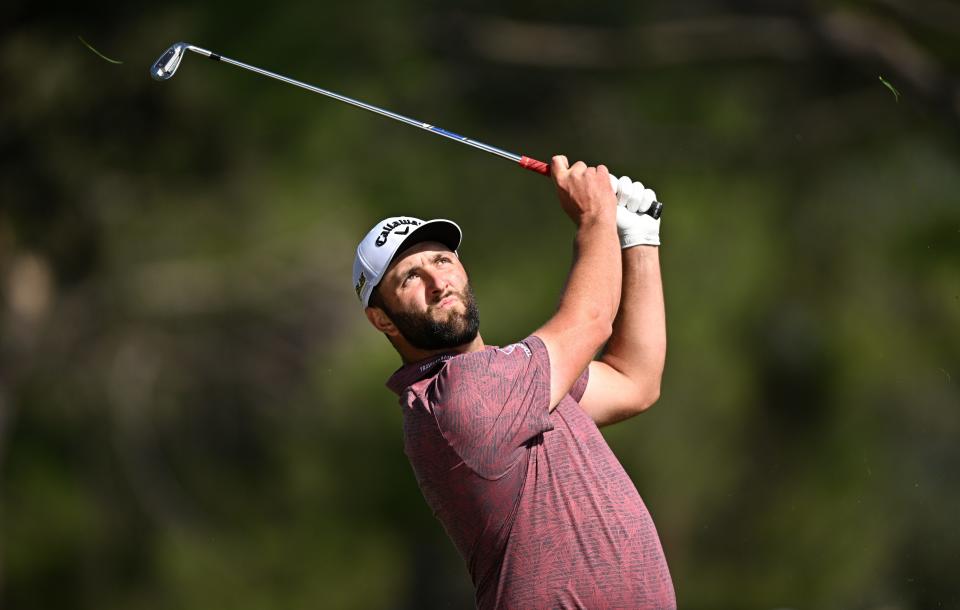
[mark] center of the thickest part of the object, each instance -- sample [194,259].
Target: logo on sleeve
[509,349]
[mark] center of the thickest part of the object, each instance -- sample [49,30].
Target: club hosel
[204,52]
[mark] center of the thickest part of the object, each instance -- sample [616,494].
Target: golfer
[504,441]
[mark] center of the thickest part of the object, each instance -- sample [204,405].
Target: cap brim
[440,230]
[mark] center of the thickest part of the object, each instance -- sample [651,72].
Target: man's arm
[626,379]
[588,305]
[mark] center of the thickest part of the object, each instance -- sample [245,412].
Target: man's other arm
[625,381]
[588,304]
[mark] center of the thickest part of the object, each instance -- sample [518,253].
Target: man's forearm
[593,286]
[591,296]
[637,348]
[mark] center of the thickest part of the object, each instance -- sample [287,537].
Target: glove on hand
[633,226]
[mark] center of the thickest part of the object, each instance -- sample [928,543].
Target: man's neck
[409,354]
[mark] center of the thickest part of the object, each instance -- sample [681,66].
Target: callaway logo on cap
[388,238]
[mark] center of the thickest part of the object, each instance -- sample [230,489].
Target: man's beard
[426,333]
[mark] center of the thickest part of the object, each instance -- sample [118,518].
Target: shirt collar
[409,374]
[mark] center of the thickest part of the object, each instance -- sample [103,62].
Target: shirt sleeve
[489,405]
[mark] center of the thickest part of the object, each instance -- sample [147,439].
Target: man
[504,442]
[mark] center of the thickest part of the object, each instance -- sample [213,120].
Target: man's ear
[381,321]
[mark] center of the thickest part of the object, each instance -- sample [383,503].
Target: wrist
[641,253]
[596,220]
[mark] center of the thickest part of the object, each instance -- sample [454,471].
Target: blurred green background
[192,409]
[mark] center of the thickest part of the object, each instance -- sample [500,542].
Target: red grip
[533,165]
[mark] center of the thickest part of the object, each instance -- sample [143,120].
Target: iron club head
[163,68]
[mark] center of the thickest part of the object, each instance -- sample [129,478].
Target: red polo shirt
[535,501]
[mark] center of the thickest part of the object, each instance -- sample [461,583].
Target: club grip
[535,166]
[655,209]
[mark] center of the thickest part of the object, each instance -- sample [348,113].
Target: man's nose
[436,282]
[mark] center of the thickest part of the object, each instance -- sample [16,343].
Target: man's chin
[445,315]
[456,326]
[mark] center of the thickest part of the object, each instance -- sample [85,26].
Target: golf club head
[163,68]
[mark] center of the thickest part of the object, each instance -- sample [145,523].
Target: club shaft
[525,162]
[369,107]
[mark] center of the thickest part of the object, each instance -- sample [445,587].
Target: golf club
[167,65]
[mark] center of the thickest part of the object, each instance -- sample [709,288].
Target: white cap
[390,236]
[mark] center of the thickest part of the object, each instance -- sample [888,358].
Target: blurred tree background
[192,410]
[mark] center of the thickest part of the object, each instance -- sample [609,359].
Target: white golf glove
[633,226]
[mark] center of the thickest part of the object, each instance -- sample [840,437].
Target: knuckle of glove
[648,197]
[627,192]
[640,198]
[623,189]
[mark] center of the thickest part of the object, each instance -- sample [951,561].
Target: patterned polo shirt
[535,501]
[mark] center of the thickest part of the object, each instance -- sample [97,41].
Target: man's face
[426,293]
